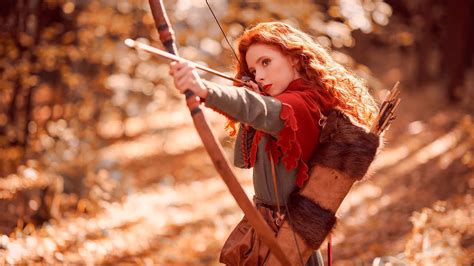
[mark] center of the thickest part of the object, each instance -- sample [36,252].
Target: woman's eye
[265,62]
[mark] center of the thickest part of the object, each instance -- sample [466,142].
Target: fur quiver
[342,157]
[345,147]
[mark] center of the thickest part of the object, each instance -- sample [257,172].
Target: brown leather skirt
[243,246]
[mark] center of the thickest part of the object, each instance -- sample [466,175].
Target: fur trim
[345,147]
[311,221]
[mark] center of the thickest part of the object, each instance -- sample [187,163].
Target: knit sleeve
[260,112]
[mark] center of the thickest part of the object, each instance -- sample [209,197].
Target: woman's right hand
[186,77]
[253,87]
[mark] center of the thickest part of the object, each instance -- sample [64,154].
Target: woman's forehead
[257,50]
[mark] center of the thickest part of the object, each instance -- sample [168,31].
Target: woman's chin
[275,92]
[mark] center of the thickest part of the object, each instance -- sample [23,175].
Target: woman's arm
[246,106]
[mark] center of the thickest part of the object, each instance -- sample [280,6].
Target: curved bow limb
[213,147]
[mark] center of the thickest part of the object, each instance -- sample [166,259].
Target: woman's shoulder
[302,93]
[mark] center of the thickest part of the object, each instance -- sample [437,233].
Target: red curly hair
[314,64]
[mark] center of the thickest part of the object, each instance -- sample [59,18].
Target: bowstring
[223,33]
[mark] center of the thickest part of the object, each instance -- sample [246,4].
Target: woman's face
[272,69]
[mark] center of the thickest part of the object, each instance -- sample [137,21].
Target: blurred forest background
[100,163]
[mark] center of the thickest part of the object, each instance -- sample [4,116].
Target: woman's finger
[174,66]
[187,81]
[184,82]
[253,86]
[185,77]
[184,71]
[190,80]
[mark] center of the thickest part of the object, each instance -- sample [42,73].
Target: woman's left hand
[186,78]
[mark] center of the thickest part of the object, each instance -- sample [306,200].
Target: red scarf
[302,104]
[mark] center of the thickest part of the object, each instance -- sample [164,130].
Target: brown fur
[345,147]
[311,221]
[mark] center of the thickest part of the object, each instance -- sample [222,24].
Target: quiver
[343,156]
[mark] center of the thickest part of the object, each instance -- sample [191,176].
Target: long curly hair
[315,65]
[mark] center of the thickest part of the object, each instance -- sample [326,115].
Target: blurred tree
[443,34]
[458,40]
[55,57]
[51,57]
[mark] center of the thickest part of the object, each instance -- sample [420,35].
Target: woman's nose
[259,77]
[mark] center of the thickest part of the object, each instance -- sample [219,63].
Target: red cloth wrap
[299,137]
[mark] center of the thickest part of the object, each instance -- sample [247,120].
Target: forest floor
[416,208]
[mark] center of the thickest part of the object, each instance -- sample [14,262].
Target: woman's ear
[294,61]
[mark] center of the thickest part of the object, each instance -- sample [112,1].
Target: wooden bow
[213,148]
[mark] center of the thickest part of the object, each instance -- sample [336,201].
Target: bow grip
[192,101]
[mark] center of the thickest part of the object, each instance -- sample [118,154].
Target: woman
[281,123]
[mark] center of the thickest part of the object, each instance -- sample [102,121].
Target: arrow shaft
[156,51]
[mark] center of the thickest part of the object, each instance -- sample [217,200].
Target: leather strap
[280,215]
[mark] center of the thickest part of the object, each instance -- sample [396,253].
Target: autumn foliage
[100,163]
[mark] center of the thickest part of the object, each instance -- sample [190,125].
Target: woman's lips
[267,87]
